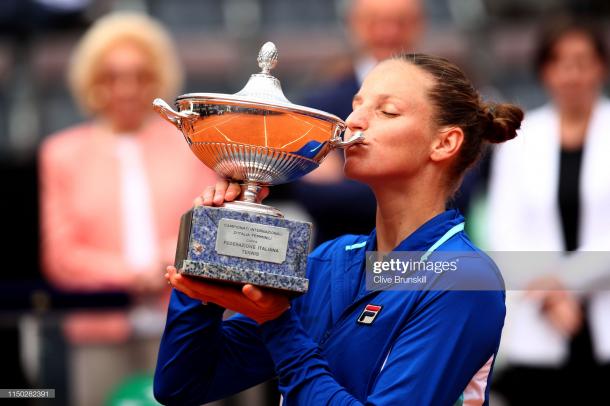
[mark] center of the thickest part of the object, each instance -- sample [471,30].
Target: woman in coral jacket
[113,188]
[341,342]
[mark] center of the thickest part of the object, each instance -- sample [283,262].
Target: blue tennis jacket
[423,347]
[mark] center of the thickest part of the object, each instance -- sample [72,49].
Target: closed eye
[388,114]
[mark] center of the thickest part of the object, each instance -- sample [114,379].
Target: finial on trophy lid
[267,57]
[264,85]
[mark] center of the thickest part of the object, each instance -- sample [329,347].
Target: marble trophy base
[232,246]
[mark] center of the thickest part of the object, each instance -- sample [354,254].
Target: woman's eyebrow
[380,98]
[385,97]
[395,100]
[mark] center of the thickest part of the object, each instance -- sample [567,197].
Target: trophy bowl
[258,138]
[256,142]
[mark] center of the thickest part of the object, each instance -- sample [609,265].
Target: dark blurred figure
[550,191]
[21,18]
[20,292]
[377,29]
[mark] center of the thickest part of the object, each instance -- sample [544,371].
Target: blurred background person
[112,193]
[377,29]
[550,191]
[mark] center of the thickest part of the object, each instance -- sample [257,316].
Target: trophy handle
[174,117]
[357,138]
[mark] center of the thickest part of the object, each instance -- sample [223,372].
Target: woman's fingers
[224,191]
[217,194]
[232,192]
[248,300]
[171,275]
[269,302]
[220,191]
[252,292]
[208,196]
[223,295]
[168,270]
[563,311]
[175,279]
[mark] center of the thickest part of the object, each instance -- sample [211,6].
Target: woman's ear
[446,144]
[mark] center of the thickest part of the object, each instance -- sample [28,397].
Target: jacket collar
[421,239]
[348,286]
[431,231]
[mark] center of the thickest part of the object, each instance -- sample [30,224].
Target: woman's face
[575,74]
[393,110]
[125,86]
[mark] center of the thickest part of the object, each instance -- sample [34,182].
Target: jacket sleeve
[439,350]
[203,358]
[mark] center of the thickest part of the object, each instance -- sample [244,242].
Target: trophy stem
[249,201]
[250,192]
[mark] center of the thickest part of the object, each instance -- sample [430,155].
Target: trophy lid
[262,89]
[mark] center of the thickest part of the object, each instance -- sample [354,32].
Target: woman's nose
[357,120]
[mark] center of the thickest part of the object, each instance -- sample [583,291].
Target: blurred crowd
[97,182]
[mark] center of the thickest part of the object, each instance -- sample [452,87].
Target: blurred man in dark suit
[377,29]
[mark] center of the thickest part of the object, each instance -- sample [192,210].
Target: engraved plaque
[251,240]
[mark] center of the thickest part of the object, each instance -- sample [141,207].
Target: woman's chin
[353,171]
[128,124]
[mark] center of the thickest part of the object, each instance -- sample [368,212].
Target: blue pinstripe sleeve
[202,358]
[431,362]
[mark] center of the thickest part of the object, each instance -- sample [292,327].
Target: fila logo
[369,314]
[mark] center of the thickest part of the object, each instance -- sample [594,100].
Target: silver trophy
[258,138]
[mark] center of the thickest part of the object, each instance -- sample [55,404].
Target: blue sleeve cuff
[182,305]
[278,326]
[287,341]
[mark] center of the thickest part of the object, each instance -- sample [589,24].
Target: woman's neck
[110,127]
[402,209]
[573,126]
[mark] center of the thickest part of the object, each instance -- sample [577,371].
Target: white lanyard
[450,233]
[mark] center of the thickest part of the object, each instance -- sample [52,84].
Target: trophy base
[242,276]
[222,244]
